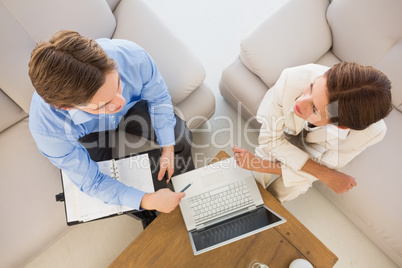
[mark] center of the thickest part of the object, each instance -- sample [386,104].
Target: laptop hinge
[252,208]
[199,227]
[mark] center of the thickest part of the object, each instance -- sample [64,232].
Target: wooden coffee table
[165,243]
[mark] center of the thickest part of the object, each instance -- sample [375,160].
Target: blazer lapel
[328,134]
[293,123]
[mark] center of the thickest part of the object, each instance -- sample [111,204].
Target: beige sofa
[31,219]
[318,31]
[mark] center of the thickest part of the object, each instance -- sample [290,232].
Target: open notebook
[133,171]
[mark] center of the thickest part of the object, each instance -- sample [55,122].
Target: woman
[315,120]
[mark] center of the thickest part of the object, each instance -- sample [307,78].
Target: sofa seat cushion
[375,204]
[31,218]
[182,71]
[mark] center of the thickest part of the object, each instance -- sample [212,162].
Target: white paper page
[80,206]
[70,199]
[135,171]
[91,208]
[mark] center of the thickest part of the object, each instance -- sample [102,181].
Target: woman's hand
[249,161]
[339,182]
[245,159]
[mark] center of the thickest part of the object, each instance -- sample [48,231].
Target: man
[315,120]
[84,89]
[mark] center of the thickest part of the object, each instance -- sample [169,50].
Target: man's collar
[79,117]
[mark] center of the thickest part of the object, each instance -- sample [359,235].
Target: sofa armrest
[297,33]
[180,68]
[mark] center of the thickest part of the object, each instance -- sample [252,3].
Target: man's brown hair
[358,95]
[68,69]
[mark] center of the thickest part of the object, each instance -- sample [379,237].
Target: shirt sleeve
[74,160]
[160,106]
[145,81]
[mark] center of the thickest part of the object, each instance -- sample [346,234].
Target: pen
[185,188]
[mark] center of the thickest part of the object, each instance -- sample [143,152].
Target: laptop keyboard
[220,201]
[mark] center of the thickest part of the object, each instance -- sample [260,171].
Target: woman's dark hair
[358,95]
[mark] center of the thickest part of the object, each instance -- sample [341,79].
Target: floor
[213,30]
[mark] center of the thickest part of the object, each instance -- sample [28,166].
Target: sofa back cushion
[180,68]
[24,23]
[296,33]
[10,113]
[369,32]
[16,46]
[113,4]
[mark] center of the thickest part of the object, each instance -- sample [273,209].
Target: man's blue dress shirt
[56,131]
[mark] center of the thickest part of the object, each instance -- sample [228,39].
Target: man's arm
[160,107]
[156,93]
[73,158]
[86,176]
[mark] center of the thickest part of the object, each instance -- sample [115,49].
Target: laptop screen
[233,229]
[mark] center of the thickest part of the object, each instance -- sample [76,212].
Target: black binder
[154,157]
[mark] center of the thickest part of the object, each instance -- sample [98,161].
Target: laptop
[222,205]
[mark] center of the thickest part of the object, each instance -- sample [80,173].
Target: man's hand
[339,182]
[163,200]
[166,162]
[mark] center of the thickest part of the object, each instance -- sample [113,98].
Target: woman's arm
[249,161]
[339,182]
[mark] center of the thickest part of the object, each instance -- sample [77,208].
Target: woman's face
[311,105]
